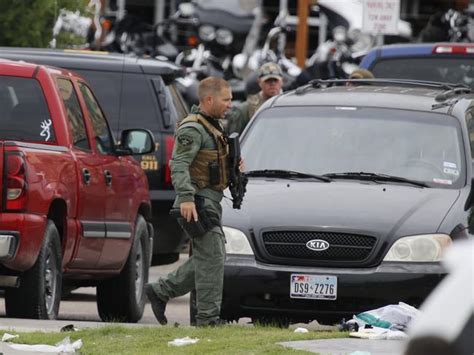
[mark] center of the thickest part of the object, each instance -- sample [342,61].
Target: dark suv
[354,192]
[134,92]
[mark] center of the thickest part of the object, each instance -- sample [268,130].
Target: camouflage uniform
[239,117]
[204,270]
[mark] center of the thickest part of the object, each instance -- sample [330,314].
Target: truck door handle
[87,176]
[108,177]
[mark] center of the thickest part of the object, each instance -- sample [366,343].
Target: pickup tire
[122,298]
[39,294]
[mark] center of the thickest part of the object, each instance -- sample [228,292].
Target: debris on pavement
[377,333]
[183,341]
[393,316]
[388,322]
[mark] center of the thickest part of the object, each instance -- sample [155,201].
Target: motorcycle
[221,30]
[449,26]
[273,50]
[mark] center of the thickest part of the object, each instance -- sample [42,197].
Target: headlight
[224,36]
[207,33]
[419,248]
[236,242]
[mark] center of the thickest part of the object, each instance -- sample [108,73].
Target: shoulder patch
[185,140]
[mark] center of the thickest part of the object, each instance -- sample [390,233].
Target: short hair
[211,86]
[361,74]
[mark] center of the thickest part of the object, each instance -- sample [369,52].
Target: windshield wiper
[375,177]
[289,174]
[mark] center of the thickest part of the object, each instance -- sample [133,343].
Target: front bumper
[253,289]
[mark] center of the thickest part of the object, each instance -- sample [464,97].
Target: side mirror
[136,142]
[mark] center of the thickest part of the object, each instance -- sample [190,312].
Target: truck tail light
[169,144]
[16,196]
[453,49]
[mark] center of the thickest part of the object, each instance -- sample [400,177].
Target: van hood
[376,209]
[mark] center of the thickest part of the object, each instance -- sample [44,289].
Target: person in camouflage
[270,80]
[199,142]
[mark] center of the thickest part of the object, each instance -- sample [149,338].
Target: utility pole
[302,32]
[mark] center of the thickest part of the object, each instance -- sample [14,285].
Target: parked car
[134,92]
[74,204]
[354,193]
[441,62]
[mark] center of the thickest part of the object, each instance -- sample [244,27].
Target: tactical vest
[199,169]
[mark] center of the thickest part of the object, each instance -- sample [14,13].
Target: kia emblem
[317,245]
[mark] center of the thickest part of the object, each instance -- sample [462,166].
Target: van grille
[291,245]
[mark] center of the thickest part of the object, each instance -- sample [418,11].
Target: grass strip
[232,339]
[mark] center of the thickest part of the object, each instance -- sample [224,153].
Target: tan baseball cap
[270,71]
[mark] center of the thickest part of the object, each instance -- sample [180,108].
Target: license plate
[319,287]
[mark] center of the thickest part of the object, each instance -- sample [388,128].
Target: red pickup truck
[74,204]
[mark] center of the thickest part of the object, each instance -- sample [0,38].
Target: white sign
[381,16]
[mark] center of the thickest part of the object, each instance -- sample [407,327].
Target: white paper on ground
[301,330]
[183,341]
[377,333]
[64,347]
[8,337]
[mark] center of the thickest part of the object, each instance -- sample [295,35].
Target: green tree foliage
[29,23]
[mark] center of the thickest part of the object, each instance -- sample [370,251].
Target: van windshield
[421,146]
[24,114]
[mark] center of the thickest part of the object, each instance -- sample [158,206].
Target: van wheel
[122,298]
[39,294]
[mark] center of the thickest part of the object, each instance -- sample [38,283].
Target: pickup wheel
[39,293]
[122,298]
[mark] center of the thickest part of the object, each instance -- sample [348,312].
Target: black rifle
[238,181]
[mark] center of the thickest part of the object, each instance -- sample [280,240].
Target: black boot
[157,305]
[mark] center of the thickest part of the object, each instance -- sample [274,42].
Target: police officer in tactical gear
[270,80]
[199,174]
